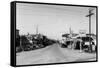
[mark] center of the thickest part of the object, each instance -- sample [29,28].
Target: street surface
[53,54]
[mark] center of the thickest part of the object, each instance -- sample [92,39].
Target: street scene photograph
[48,34]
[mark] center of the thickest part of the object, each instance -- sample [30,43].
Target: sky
[53,20]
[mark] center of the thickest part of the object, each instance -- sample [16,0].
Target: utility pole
[21,43]
[37,29]
[70,30]
[89,15]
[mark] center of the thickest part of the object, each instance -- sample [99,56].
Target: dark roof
[17,30]
[65,35]
[85,38]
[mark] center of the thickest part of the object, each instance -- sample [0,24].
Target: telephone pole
[89,15]
[37,29]
[70,30]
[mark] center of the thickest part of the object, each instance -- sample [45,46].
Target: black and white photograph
[48,33]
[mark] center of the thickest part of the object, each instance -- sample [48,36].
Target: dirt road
[52,54]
